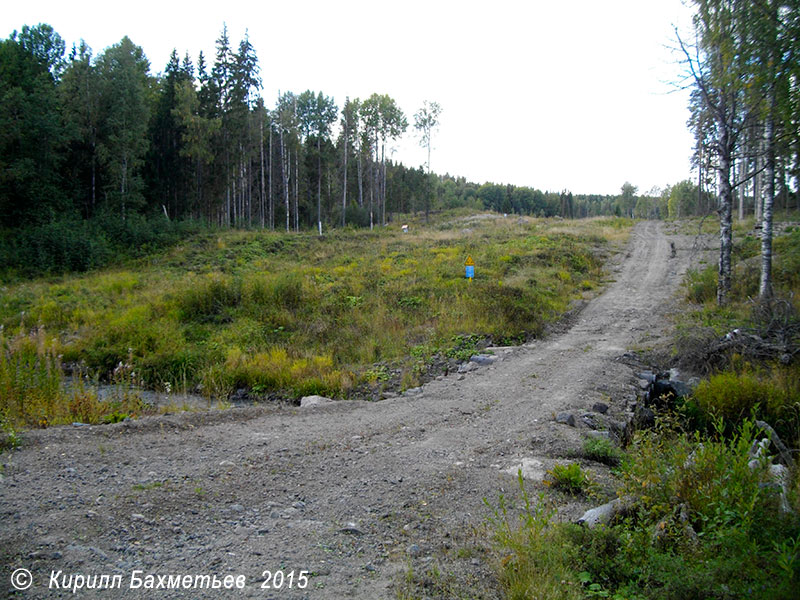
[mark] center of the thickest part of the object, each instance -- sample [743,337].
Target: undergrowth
[704,525]
[296,314]
[35,394]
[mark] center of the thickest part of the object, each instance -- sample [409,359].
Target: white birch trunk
[765,283]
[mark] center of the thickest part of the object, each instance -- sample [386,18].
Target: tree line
[84,135]
[87,134]
[97,154]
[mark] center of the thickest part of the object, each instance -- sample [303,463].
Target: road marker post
[469,268]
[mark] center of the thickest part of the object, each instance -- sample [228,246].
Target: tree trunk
[344,186]
[742,177]
[319,183]
[262,197]
[284,177]
[361,181]
[383,185]
[765,283]
[725,214]
[270,198]
[297,190]
[757,179]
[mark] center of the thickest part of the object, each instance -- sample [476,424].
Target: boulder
[605,513]
[590,421]
[467,367]
[311,401]
[566,418]
[483,359]
[643,418]
[663,391]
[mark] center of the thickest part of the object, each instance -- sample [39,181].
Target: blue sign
[470,271]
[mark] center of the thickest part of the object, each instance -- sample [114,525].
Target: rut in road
[352,492]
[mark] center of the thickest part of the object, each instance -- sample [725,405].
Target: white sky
[548,94]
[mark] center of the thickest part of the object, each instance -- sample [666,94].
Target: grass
[295,314]
[704,525]
[602,450]
[569,478]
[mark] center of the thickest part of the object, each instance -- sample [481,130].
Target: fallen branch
[784,454]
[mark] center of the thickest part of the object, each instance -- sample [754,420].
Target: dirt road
[353,493]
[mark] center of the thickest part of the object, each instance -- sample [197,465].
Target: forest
[101,158]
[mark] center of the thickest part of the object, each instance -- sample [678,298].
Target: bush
[703,525]
[75,245]
[54,248]
[704,510]
[210,300]
[568,478]
[733,397]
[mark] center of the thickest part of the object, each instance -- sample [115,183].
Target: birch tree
[717,66]
[426,120]
[123,144]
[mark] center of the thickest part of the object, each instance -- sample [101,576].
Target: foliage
[769,394]
[602,450]
[701,285]
[295,314]
[33,392]
[569,478]
[93,147]
[703,525]
[531,557]
[74,245]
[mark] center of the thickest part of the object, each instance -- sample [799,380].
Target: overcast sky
[554,95]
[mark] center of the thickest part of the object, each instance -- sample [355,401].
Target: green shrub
[532,556]
[706,519]
[30,380]
[210,300]
[733,397]
[702,524]
[568,478]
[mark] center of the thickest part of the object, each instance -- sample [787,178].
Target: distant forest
[99,157]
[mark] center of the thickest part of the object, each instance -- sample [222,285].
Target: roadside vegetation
[702,517]
[286,315]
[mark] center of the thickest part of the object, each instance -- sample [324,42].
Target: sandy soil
[365,497]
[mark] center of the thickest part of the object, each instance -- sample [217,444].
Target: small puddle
[159,400]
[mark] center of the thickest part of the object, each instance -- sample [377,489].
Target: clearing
[365,496]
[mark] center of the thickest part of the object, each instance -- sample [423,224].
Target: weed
[10,438]
[569,478]
[772,395]
[701,285]
[602,450]
[532,560]
[143,487]
[703,525]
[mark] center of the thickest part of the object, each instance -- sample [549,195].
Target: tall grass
[291,314]
[31,380]
[33,391]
